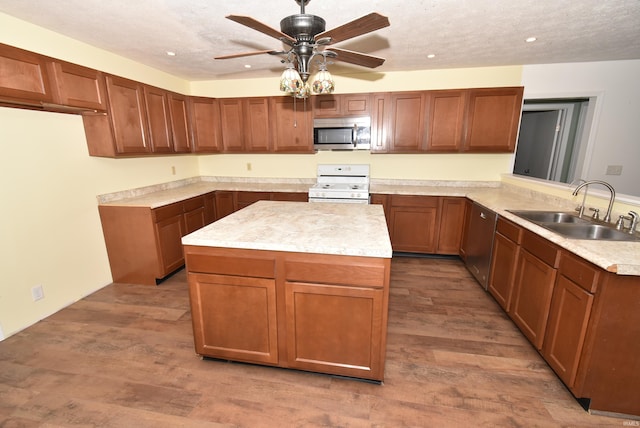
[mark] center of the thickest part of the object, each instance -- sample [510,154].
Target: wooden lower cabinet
[413,223]
[533,287]
[504,259]
[144,245]
[583,320]
[451,225]
[315,312]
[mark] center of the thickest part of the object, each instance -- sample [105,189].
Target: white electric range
[342,184]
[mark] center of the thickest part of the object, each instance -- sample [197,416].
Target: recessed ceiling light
[530,39]
[431,56]
[247,66]
[171,53]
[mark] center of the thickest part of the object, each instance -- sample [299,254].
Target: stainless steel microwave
[348,133]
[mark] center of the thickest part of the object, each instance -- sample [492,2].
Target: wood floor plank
[124,357]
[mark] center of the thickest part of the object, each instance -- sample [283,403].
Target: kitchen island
[295,285]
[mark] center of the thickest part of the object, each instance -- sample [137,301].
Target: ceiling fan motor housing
[302,27]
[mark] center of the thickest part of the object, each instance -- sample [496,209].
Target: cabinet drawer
[579,271]
[167,211]
[354,274]
[193,203]
[237,265]
[541,248]
[414,201]
[509,230]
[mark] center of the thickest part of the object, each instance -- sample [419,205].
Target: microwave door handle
[354,136]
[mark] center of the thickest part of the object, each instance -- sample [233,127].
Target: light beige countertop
[622,258]
[321,228]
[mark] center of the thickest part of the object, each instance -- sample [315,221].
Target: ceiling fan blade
[363,25]
[259,26]
[238,55]
[357,58]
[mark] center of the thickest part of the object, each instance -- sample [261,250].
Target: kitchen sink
[590,231]
[571,226]
[550,217]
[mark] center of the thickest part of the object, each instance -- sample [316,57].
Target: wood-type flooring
[124,357]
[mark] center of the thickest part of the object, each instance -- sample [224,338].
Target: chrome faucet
[634,221]
[607,217]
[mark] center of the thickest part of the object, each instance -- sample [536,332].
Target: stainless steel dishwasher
[479,242]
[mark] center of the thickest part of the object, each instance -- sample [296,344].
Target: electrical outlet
[248,166]
[173,170]
[37,293]
[614,170]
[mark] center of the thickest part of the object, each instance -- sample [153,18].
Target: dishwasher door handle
[483,216]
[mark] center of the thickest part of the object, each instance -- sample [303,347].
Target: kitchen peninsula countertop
[321,228]
[622,258]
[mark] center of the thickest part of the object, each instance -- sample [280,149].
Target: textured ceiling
[461,33]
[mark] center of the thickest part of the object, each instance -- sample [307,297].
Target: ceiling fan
[306,38]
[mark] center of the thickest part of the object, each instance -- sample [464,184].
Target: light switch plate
[614,170]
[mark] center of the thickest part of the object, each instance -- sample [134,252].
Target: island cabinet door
[334,329]
[234,317]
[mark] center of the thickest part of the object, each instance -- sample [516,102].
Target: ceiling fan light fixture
[323,82]
[290,80]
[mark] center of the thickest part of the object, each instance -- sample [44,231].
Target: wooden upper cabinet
[245,124]
[205,125]
[291,126]
[232,124]
[444,112]
[24,76]
[180,123]
[405,122]
[78,86]
[128,115]
[342,105]
[257,126]
[157,108]
[379,107]
[493,117]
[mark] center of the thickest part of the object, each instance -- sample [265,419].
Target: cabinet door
[169,233]
[567,328]
[379,112]
[24,75]
[157,107]
[452,213]
[257,126]
[232,124]
[326,105]
[205,120]
[234,317]
[492,119]
[128,116]
[78,86]
[194,220]
[334,329]
[209,208]
[179,123]
[532,296]
[356,104]
[291,125]
[414,223]
[503,270]
[405,125]
[445,120]
[225,203]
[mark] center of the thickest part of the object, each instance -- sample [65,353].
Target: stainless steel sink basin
[571,226]
[550,217]
[590,231]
